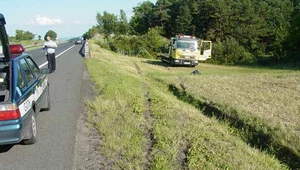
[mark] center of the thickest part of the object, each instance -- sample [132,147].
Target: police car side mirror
[45,71]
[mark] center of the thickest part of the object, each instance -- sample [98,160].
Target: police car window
[28,75]
[21,82]
[34,67]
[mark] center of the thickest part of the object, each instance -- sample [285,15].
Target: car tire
[33,132]
[48,100]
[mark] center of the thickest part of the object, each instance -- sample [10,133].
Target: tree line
[243,32]
[26,35]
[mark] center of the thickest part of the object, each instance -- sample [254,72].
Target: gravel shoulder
[86,155]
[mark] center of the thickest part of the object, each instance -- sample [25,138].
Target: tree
[183,20]
[93,31]
[142,19]
[107,22]
[39,37]
[52,34]
[153,41]
[24,35]
[123,26]
[292,43]
[19,35]
[258,29]
[162,12]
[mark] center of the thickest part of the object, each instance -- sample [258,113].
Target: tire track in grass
[182,155]
[255,136]
[148,126]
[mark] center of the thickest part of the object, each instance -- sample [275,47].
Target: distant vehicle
[24,91]
[79,41]
[186,50]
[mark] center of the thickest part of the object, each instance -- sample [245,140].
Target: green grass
[117,112]
[144,125]
[266,99]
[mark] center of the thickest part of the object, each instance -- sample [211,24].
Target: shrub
[230,52]
[103,43]
[154,42]
[146,46]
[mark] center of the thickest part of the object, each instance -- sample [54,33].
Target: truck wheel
[33,131]
[171,62]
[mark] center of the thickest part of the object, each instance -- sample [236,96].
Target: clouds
[63,25]
[44,21]
[78,22]
[47,21]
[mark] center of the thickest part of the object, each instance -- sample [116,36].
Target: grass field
[151,116]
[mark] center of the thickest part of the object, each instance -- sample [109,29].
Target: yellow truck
[186,50]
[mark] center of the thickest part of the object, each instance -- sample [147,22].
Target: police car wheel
[33,132]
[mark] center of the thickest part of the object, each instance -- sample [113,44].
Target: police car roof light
[16,48]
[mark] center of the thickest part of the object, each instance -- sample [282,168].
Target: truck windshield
[187,45]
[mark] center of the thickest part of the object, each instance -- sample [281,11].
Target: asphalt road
[57,127]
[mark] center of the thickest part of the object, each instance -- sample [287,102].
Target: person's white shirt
[49,47]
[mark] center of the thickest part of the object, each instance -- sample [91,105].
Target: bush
[146,46]
[154,42]
[127,45]
[103,43]
[230,52]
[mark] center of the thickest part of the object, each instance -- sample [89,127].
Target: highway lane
[39,54]
[57,127]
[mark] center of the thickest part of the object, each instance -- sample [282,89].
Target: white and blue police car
[24,92]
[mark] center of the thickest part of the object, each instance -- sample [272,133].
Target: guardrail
[87,51]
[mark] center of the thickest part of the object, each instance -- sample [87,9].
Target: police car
[24,92]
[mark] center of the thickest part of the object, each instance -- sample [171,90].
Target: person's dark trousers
[51,62]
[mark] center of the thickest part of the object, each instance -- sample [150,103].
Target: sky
[68,18]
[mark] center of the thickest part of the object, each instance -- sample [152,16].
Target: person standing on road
[49,47]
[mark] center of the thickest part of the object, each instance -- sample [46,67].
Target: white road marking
[42,65]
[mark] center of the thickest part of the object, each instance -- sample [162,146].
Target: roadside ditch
[253,135]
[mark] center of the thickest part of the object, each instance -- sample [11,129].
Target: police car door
[35,83]
[39,91]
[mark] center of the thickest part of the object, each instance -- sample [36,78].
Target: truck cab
[187,50]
